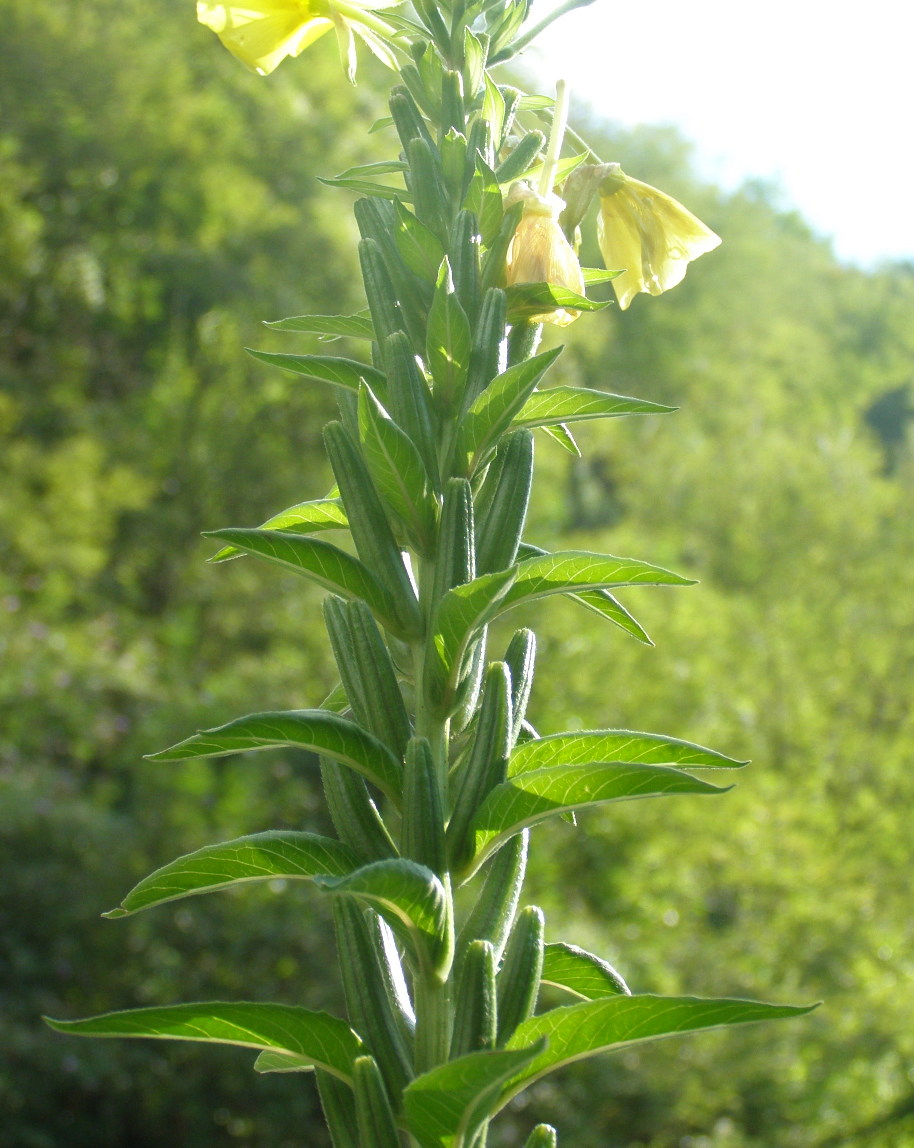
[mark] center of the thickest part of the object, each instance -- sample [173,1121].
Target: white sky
[817,95]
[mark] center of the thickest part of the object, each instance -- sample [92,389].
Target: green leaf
[563,436]
[397,468]
[449,339]
[603,603]
[413,902]
[618,745]
[420,249]
[464,610]
[532,797]
[340,372]
[257,857]
[382,167]
[579,972]
[315,730]
[577,570]
[444,1107]
[317,1038]
[369,187]
[303,518]
[599,275]
[329,566]
[282,1062]
[332,326]
[493,410]
[484,199]
[577,404]
[581,1030]
[527,300]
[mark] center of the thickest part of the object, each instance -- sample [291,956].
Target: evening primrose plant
[432,773]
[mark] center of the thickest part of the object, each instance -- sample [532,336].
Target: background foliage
[156,203]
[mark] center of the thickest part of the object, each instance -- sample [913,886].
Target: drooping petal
[540,253]
[261,33]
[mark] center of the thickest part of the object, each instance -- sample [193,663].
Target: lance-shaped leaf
[576,570]
[585,746]
[579,972]
[332,369]
[463,611]
[396,467]
[493,410]
[303,518]
[420,249]
[413,902]
[369,187]
[581,1030]
[317,1038]
[527,300]
[258,857]
[558,405]
[329,326]
[532,797]
[315,730]
[603,603]
[444,1107]
[449,340]
[327,565]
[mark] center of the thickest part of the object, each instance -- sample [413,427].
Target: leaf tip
[115,914]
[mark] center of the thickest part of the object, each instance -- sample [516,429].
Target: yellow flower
[539,251]
[261,33]
[648,233]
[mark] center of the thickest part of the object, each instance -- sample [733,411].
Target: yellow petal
[651,235]
[540,253]
[261,33]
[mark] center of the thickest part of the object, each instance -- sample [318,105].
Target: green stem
[522,41]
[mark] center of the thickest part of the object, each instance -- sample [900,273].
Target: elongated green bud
[367,672]
[521,158]
[408,120]
[409,399]
[452,113]
[521,971]
[354,815]
[377,1128]
[382,299]
[425,182]
[423,814]
[493,914]
[370,992]
[470,684]
[377,220]
[339,1110]
[486,765]
[456,538]
[503,503]
[520,658]
[489,355]
[542,1136]
[475,1012]
[493,267]
[369,527]
[465,262]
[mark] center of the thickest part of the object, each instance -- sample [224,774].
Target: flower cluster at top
[644,235]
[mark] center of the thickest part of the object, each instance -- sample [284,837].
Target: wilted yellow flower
[261,33]
[539,251]
[648,233]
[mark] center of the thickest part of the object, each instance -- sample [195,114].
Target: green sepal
[486,765]
[338,1108]
[354,814]
[398,471]
[492,412]
[374,1115]
[520,972]
[379,290]
[520,658]
[409,399]
[370,992]
[367,672]
[328,326]
[447,1105]
[303,518]
[592,1027]
[493,266]
[266,856]
[475,1006]
[448,341]
[422,838]
[312,1039]
[489,344]
[581,973]
[316,730]
[493,914]
[369,526]
[503,501]
[465,262]
[521,158]
[413,902]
